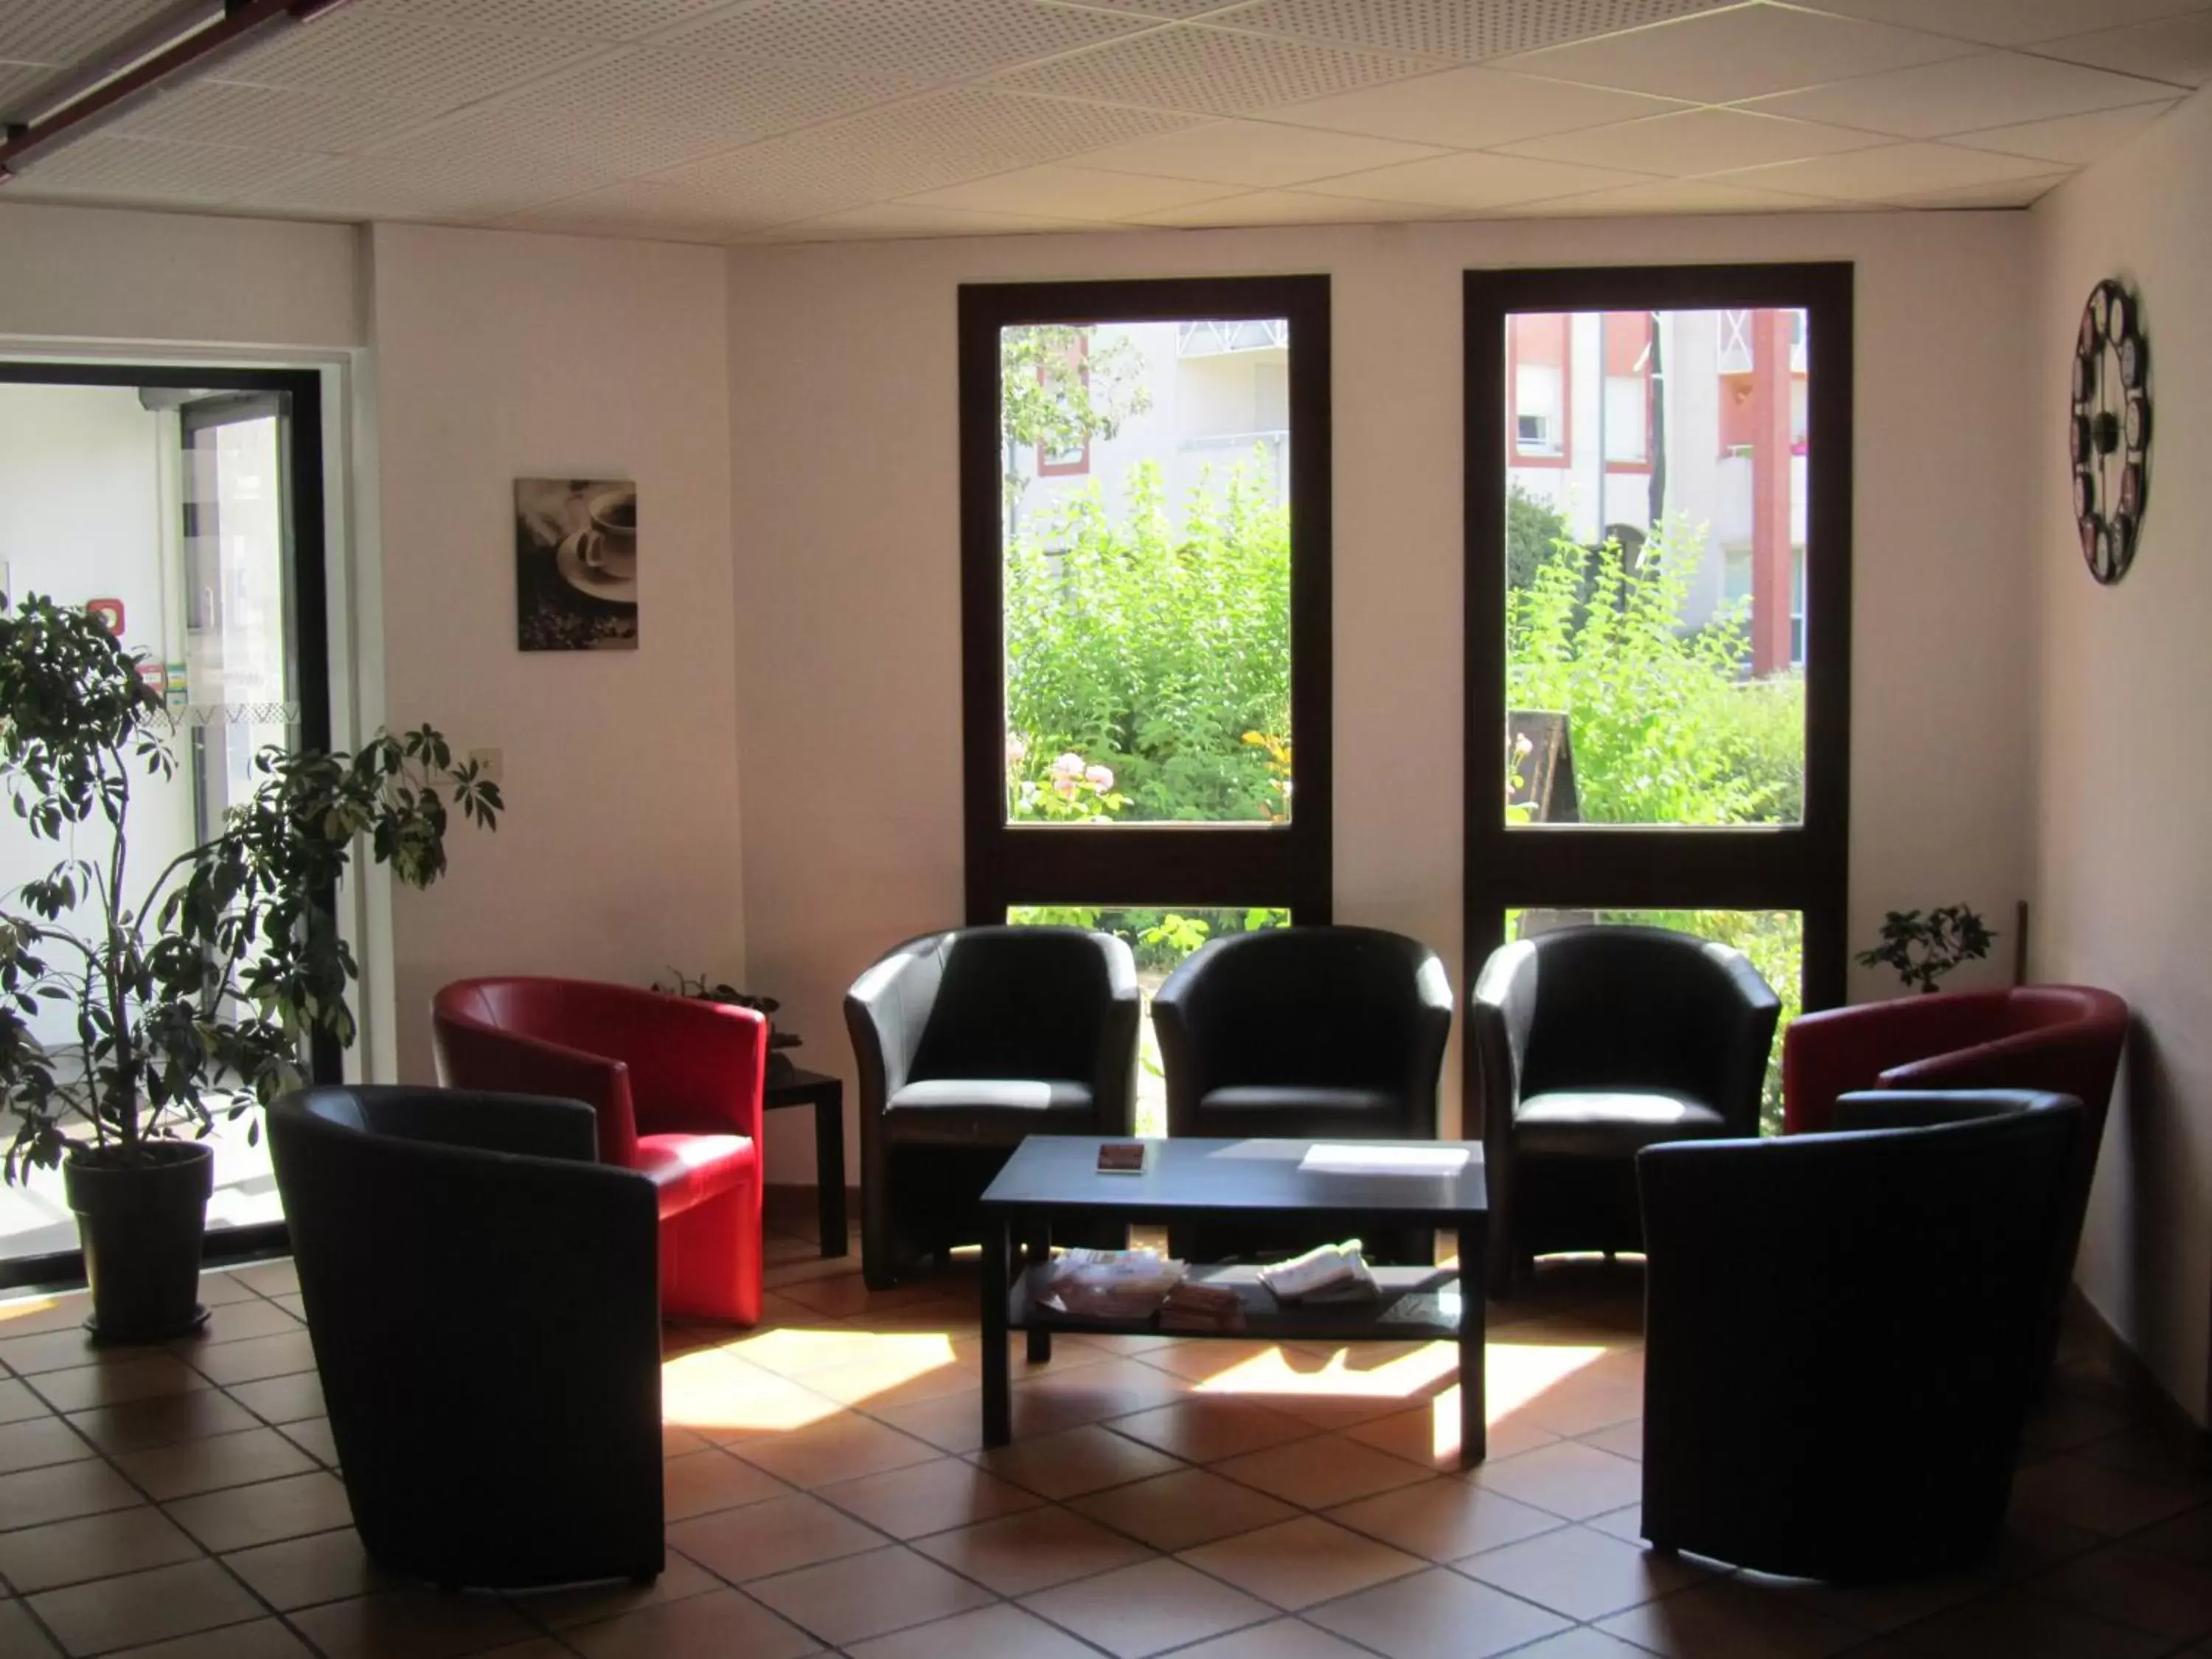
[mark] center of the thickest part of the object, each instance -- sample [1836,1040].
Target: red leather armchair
[676,1085]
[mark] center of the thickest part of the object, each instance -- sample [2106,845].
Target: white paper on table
[1328,1159]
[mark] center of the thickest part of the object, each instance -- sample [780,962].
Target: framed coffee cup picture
[575,564]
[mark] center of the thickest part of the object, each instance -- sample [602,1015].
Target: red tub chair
[676,1085]
[2055,1039]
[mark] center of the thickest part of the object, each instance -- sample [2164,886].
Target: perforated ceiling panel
[587,20]
[369,56]
[528,129]
[935,38]
[1463,30]
[387,186]
[1212,71]
[137,169]
[270,117]
[739,98]
[64,31]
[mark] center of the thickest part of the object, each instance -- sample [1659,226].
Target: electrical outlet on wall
[492,762]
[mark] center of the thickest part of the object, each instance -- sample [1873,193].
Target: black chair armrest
[1909,1109]
[1113,1070]
[1745,1013]
[1178,1019]
[537,1126]
[886,1012]
[1501,1016]
[1430,1034]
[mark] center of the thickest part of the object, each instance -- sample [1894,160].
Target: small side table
[826,1095]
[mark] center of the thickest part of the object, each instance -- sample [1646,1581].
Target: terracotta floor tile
[263,1638]
[277,1278]
[1887,1607]
[726,1399]
[1622,1439]
[1202,1361]
[1201,1430]
[40,1442]
[1587,1641]
[242,1517]
[213,1462]
[776,1536]
[1429,1434]
[591,1604]
[234,1323]
[1000,1632]
[91,1546]
[846,1295]
[845,1447]
[2064,1421]
[1279,1638]
[63,1348]
[20,1635]
[2026,1627]
[1317,1473]
[220,1286]
[928,1498]
[1436,1614]
[418,1623]
[1295,1563]
[2140,1588]
[300,1572]
[255,1360]
[114,1384]
[282,1400]
[1096,1386]
[1722,1619]
[848,1601]
[145,1607]
[294,1304]
[61,1491]
[1148,1608]
[1568,1478]
[163,1420]
[1444,1520]
[700,1483]
[2106,1500]
[1181,1511]
[1074,1461]
[1016,1555]
[27,1316]
[722,1622]
[955,1422]
[1580,1404]
[313,1435]
[17,1403]
[1581,1573]
[2188,1535]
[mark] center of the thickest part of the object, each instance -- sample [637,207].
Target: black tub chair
[1591,1043]
[1844,1331]
[967,1040]
[1303,1033]
[481,1297]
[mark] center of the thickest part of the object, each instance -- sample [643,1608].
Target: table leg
[829,1168]
[998,1400]
[1038,1247]
[1474,1392]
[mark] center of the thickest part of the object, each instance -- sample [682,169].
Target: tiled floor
[1218,1500]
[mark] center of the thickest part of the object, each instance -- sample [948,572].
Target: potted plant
[190,992]
[1924,948]
[780,1063]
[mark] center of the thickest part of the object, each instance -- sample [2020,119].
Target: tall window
[1146,641]
[1658,620]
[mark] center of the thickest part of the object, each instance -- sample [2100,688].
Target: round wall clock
[2108,431]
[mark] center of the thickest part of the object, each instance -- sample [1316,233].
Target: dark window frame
[1200,865]
[1805,867]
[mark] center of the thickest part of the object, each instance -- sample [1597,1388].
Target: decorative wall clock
[2108,430]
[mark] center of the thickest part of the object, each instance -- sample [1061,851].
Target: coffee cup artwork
[575,564]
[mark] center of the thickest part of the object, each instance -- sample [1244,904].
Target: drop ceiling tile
[1253,154]
[935,38]
[1998,193]
[1668,195]
[271,118]
[2179,51]
[2008,23]
[19,81]
[2075,139]
[1210,71]
[44,31]
[1463,30]
[109,167]
[474,188]
[638,207]
[1746,51]
[610,149]
[364,54]
[1469,182]
[1892,171]
[1286,207]
[589,19]
[887,221]
[1696,140]
[1964,95]
[1069,192]
[1470,109]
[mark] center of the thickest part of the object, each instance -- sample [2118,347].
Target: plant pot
[142,1224]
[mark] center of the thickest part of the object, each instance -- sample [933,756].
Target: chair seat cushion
[989,1111]
[688,1169]
[1299,1111]
[1610,1123]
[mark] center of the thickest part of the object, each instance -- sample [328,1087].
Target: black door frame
[1805,867]
[300,436]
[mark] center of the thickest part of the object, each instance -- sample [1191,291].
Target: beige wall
[847,572]
[500,356]
[2122,771]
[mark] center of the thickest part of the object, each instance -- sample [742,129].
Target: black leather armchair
[967,1042]
[481,1297]
[1842,1331]
[1591,1043]
[1304,1033]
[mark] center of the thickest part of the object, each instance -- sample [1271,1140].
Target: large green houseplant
[191,989]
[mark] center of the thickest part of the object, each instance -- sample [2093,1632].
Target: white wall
[849,626]
[2124,792]
[497,356]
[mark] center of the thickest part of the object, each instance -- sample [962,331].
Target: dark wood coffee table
[1054,1179]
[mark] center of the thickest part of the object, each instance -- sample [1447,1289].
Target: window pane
[1144,470]
[1655,568]
[1773,940]
[1160,939]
